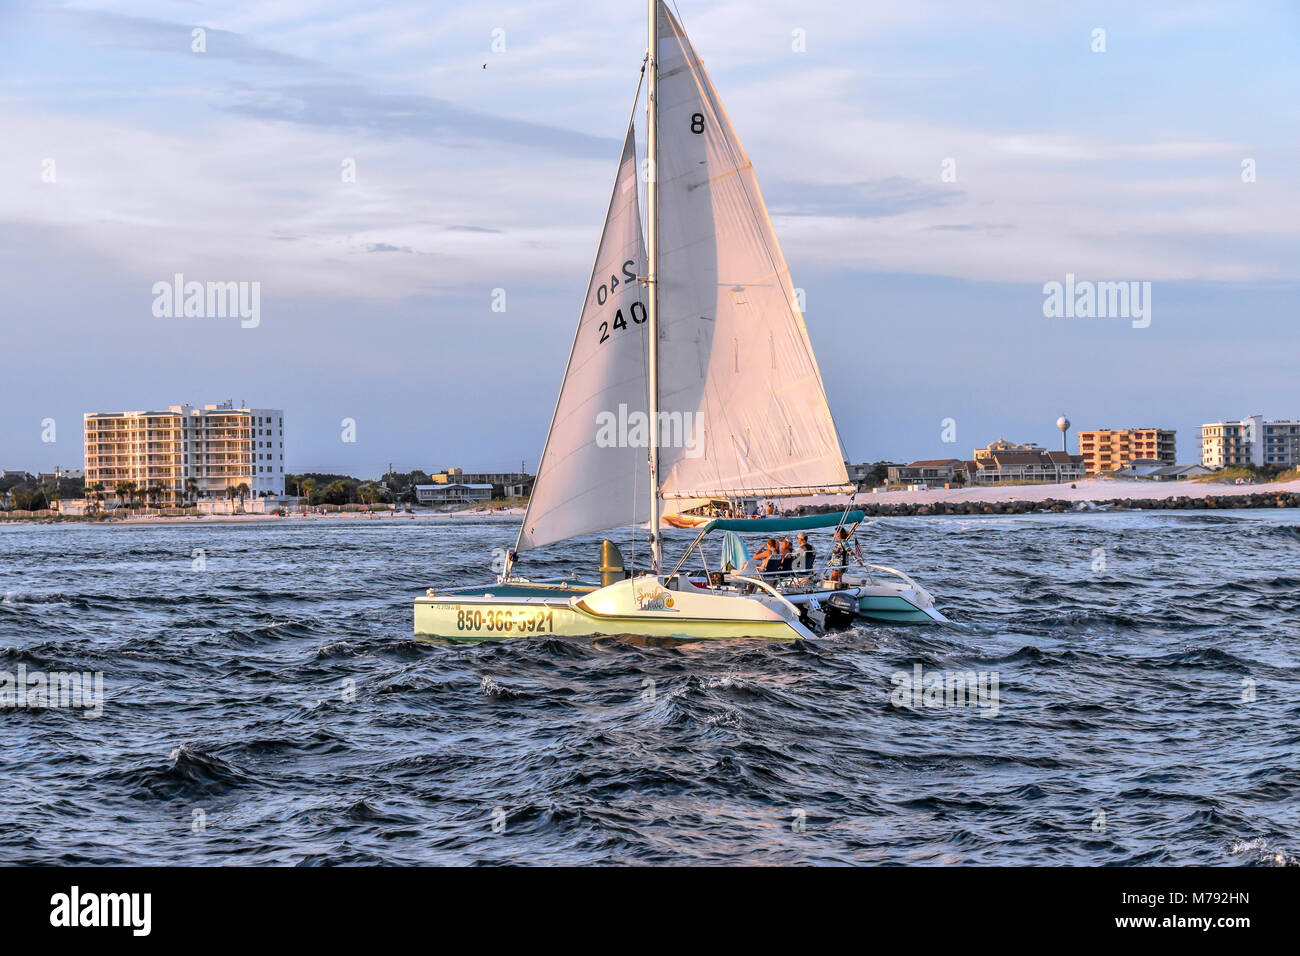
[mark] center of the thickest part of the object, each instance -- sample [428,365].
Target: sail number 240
[636,311]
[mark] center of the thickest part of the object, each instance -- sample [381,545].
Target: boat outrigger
[691,381]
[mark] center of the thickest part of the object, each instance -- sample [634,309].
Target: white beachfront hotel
[218,446]
[1251,441]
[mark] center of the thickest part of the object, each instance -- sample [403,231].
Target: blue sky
[924,296]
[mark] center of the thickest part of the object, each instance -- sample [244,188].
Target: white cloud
[259,194]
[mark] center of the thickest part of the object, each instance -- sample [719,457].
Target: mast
[652,288]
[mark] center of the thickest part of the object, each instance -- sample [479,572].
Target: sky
[929,167]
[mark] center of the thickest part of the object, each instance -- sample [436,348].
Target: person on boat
[804,553]
[787,555]
[767,557]
[839,555]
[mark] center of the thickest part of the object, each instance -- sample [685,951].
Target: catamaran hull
[497,622]
[894,609]
[563,609]
[639,607]
[893,599]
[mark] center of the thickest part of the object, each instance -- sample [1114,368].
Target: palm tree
[336,493]
[97,489]
[306,487]
[191,489]
[155,492]
[242,491]
[54,498]
[128,488]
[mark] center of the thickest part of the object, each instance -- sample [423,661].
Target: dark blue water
[230,732]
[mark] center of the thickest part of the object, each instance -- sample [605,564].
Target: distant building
[857,473]
[1141,468]
[505,484]
[1004,460]
[1052,467]
[1282,443]
[1179,472]
[865,475]
[1105,450]
[1157,471]
[1004,447]
[444,495]
[937,471]
[216,447]
[1250,441]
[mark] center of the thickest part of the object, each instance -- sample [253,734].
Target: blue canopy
[800,523]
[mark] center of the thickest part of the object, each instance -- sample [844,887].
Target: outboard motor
[611,564]
[840,609]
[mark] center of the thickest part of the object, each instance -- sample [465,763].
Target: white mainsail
[593,474]
[733,350]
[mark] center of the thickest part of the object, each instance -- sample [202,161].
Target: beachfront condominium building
[187,452]
[1105,450]
[1251,441]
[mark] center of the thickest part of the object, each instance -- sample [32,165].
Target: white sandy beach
[1089,489]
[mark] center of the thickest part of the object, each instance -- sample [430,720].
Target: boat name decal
[653,599]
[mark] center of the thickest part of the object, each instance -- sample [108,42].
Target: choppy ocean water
[273,707]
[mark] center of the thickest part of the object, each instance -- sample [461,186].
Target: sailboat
[691,380]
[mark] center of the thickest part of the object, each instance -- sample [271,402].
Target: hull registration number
[519,622]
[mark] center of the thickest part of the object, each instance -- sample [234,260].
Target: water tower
[1063,424]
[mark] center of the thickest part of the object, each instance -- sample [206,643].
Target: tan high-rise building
[1105,450]
[207,449]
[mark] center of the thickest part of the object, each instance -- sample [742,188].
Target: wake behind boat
[691,381]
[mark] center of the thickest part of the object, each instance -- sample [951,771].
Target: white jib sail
[735,363]
[593,474]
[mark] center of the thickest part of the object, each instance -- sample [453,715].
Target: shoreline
[1088,494]
[1085,495]
[296,518]
[1256,501]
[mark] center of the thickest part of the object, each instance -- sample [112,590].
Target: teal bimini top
[756,525]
